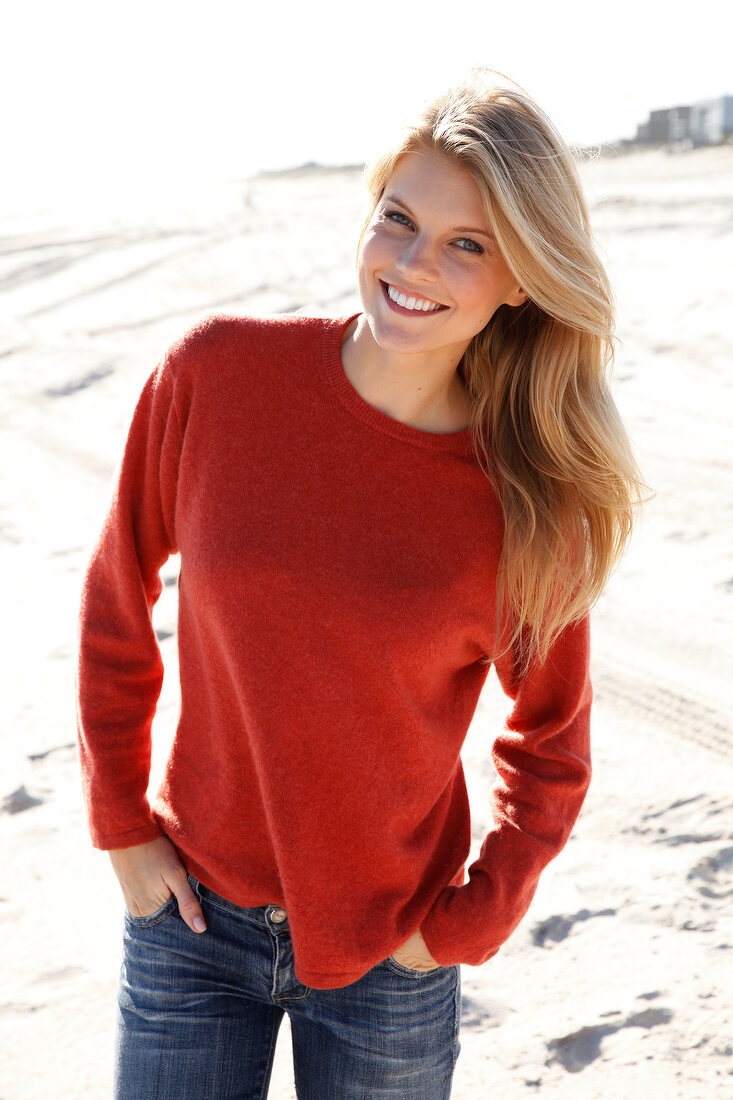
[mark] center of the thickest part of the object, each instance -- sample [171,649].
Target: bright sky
[94,92]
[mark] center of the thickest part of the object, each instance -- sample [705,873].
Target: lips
[408,302]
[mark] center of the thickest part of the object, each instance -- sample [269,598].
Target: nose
[417,259]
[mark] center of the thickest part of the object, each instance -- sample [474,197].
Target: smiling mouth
[409,301]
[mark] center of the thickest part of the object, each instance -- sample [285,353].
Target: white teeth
[401,299]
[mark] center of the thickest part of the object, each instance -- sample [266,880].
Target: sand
[619,982]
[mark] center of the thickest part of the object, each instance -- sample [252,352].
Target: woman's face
[430,272]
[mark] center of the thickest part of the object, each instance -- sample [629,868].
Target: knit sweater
[337,620]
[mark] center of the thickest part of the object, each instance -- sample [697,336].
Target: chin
[392,334]
[391,339]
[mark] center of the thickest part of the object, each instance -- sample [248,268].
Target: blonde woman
[370,512]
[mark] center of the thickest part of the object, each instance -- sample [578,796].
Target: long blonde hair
[545,426]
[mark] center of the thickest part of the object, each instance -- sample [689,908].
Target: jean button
[278,915]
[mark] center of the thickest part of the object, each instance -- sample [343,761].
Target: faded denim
[199,1015]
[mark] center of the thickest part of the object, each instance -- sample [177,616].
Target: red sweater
[336,608]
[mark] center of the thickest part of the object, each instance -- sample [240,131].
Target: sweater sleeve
[542,762]
[120,671]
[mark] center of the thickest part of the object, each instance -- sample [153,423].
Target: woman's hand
[149,874]
[414,953]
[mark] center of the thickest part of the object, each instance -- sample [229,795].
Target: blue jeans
[199,1015]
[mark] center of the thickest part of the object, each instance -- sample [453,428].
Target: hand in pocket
[414,954]
[149,874]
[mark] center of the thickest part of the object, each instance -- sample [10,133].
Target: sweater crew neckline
[459,442]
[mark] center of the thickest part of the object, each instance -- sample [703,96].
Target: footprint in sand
[18,801]
[699,819]
[77,384]
[479,1015]
[35,757]
[713,875]
[557,928]
[578,1049]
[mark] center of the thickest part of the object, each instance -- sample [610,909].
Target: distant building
[664,127]
[659,127]
[678,124]
[711,121]
[708,122]
[642,134]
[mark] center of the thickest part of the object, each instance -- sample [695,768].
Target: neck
[422,391]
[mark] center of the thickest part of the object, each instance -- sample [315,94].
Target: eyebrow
[456,229]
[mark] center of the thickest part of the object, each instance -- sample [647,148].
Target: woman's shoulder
[223,335]
[224,358]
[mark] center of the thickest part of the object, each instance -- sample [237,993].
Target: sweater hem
[316,979]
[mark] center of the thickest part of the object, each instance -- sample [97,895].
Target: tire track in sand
[667,709]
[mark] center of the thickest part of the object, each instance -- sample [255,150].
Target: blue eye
[469,246]
[397,217]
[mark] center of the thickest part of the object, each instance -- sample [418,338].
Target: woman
[370,511]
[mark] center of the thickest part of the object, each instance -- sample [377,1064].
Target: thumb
[188,905]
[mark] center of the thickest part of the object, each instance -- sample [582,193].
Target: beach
[619,981]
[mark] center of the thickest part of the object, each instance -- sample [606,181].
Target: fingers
[149,873]
[414,954]
[188,905]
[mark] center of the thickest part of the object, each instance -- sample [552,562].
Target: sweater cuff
[127,839]
[452,932]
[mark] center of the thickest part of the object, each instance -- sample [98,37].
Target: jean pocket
[157,917]
[398,968]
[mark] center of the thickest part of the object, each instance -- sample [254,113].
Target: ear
[517,297]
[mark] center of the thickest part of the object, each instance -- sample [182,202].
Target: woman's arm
[120,671]
[542,761]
